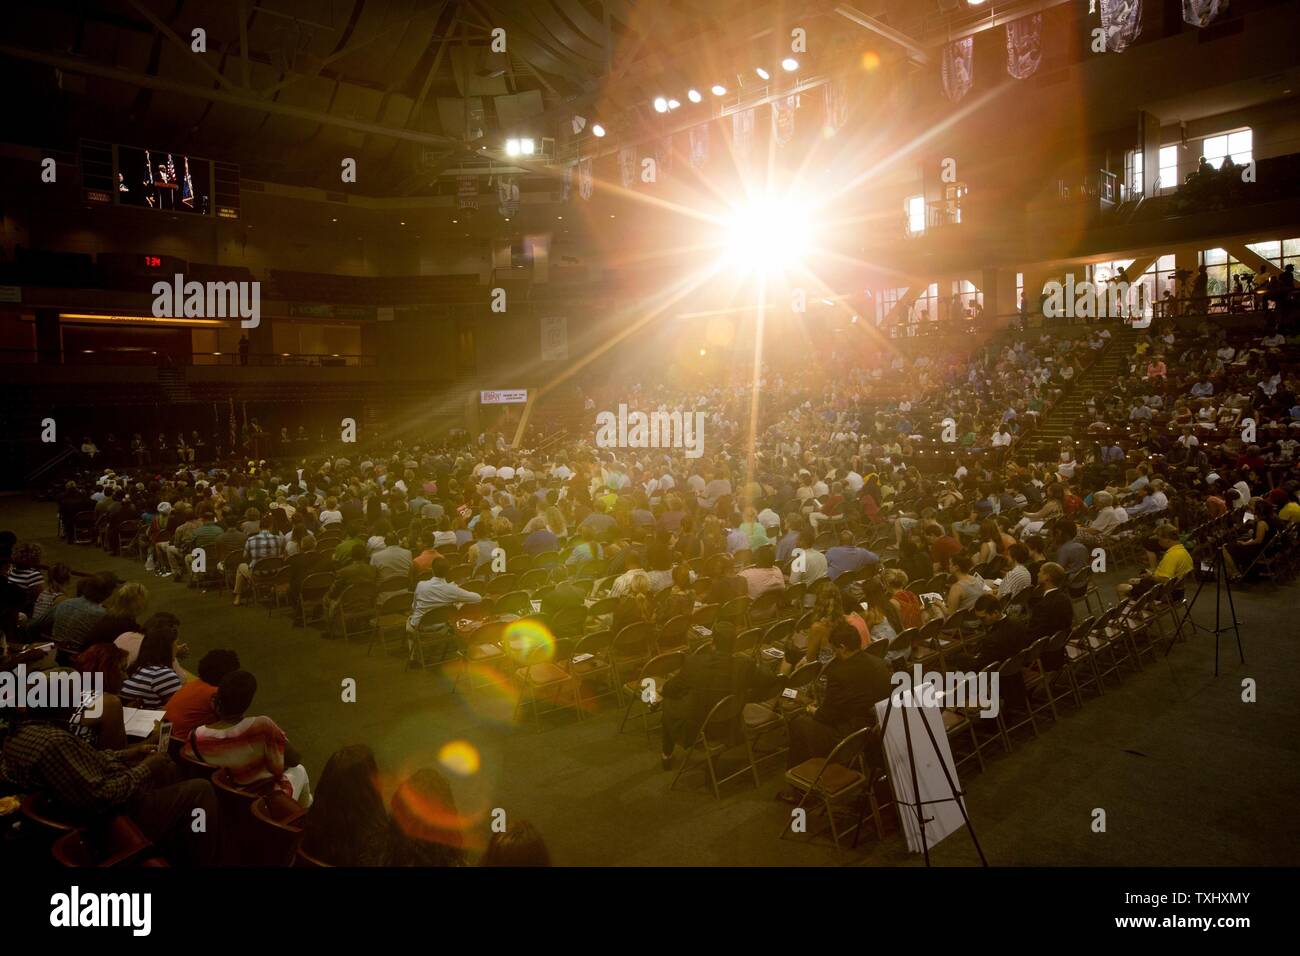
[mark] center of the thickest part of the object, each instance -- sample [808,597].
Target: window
[1238,145]
[915,206]
[1168,167]
[1133,171]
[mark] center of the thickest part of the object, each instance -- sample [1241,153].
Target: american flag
[234,434]
[187,185]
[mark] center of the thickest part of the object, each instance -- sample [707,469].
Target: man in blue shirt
[848,557]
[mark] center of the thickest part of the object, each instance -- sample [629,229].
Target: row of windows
[1239,145]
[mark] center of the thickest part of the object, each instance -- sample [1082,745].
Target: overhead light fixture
[527,146]
[789,64]
[661,105]
[673,104]
[718,90]
[512,147]
[762,73]
[597,130]
[693,95]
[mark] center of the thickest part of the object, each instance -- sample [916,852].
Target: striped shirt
[152,685]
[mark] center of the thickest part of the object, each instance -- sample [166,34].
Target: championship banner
[1201,13]
[958,68]
[664,155]
[1121,20]
[699,145]
[555,338]
[504,396]
[836,103]
[584,179]
[1025,46]
[742,133]
[566,182]
[466,192]
[508,196]
[783,120]
[627,166]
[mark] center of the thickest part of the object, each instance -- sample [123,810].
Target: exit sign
[153,262]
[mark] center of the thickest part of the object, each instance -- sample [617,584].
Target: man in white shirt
[1108,516]
[854,481]
[434,593]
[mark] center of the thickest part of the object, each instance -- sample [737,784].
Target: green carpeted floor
[1187,773]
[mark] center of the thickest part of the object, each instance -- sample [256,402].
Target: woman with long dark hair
[347,825]
[424,828]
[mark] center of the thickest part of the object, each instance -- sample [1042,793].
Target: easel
[919,805]
[1222,583]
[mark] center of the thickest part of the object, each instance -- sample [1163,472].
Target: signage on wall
[507,396]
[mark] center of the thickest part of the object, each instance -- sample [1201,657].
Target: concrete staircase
[1059,423]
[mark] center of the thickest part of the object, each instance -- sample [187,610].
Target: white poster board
[941,818]
[504,396]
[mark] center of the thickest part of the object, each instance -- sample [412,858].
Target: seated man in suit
[706,678]
[1003,636]
[1054,611]
[855,682]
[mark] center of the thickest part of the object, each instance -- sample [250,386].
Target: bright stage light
[694,95]
[789,64]
[661,105]
[512,147]
[718,90]
[762,73]
[673,104]
[768,236]
[597,130]
[527,146]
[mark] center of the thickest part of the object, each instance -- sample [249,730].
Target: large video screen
[172,182]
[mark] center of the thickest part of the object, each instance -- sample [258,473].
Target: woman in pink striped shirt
[253,749]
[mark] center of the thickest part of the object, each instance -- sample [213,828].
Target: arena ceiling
[409,88]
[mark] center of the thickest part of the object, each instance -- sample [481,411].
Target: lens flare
[771,235]
[460,757]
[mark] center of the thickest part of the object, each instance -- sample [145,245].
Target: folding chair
[311,595]
[674,635]
[436,626]
[648,696]
[831,781]
[391,617]
[589,662]
[356,610]
[718,735]
[119,842]
[530,659]
[632,647]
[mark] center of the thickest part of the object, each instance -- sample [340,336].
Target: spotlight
[703,351]
[770,235]
[694,95]
[673,104]
[789,64]
[661,105]
[597,130]
[512,147]
[762,73]
[527,146]
[718,90]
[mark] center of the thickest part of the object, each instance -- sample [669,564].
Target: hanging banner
[783,120]
[555,338]
[508,196]
[566,182]
[699,145]
[836,103]
[466,192]
[627,166]
[958,68]
[742,133]
[1025,46]
[585,179]
[1201,13]
[664,155]
[1122,22]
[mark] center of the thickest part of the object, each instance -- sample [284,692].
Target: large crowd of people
[863,504]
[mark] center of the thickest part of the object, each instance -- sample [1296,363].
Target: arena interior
[649,433]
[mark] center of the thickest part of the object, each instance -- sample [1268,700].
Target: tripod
[910,702]
[1222,584]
